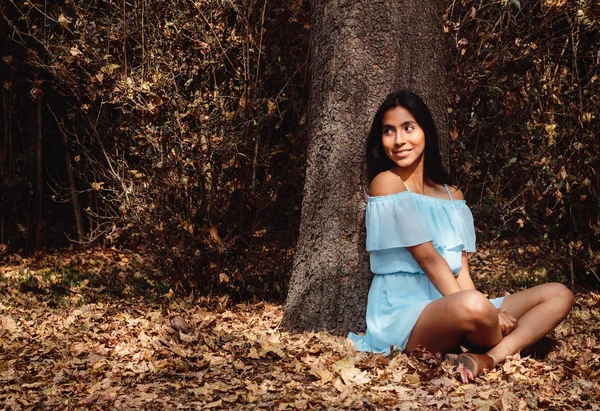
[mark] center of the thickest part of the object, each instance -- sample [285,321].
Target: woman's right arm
[464,277]
[430,261]
[436,268]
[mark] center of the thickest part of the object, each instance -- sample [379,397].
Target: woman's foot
[476,363]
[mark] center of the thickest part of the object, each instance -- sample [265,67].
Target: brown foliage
[186,122]
[184,116]
[525,101]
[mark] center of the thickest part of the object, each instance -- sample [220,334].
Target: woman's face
[402,137]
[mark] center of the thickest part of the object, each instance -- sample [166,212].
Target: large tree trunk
[360,51]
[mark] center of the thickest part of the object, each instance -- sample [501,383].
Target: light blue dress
[400,289]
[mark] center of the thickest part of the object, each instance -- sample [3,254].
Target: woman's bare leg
[444,323]
[538,310]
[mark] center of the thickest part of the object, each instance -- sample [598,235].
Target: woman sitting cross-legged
[419,230]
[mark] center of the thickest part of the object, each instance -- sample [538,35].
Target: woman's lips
[400,152]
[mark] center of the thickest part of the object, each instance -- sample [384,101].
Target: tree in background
[360,51]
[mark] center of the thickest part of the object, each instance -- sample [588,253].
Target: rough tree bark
[360,51]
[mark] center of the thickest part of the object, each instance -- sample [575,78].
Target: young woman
[419,230]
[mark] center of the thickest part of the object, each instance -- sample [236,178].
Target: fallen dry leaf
[465,374]
[8,324]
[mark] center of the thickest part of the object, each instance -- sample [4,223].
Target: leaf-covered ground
[73,344]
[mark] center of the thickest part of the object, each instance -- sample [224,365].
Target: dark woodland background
[180,129]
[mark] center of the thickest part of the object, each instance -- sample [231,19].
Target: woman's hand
[507,322]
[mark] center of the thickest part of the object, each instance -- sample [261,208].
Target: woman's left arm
[464,278]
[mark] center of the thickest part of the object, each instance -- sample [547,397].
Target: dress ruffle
[406,219]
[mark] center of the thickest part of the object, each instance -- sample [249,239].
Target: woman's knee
[559,292]
[477,309]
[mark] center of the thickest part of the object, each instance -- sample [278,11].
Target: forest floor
[68,340]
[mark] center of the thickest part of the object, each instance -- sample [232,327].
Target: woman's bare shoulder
[386,183]
[457,194]
[439,190]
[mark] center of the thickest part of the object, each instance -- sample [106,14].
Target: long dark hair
[377,159]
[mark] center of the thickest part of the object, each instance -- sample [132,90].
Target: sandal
[476,363]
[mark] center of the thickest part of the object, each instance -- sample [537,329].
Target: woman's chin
[405,163]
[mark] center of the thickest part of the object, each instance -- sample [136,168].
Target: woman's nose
[400,138]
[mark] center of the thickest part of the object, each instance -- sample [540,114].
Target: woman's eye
[409,128]
[387,131]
